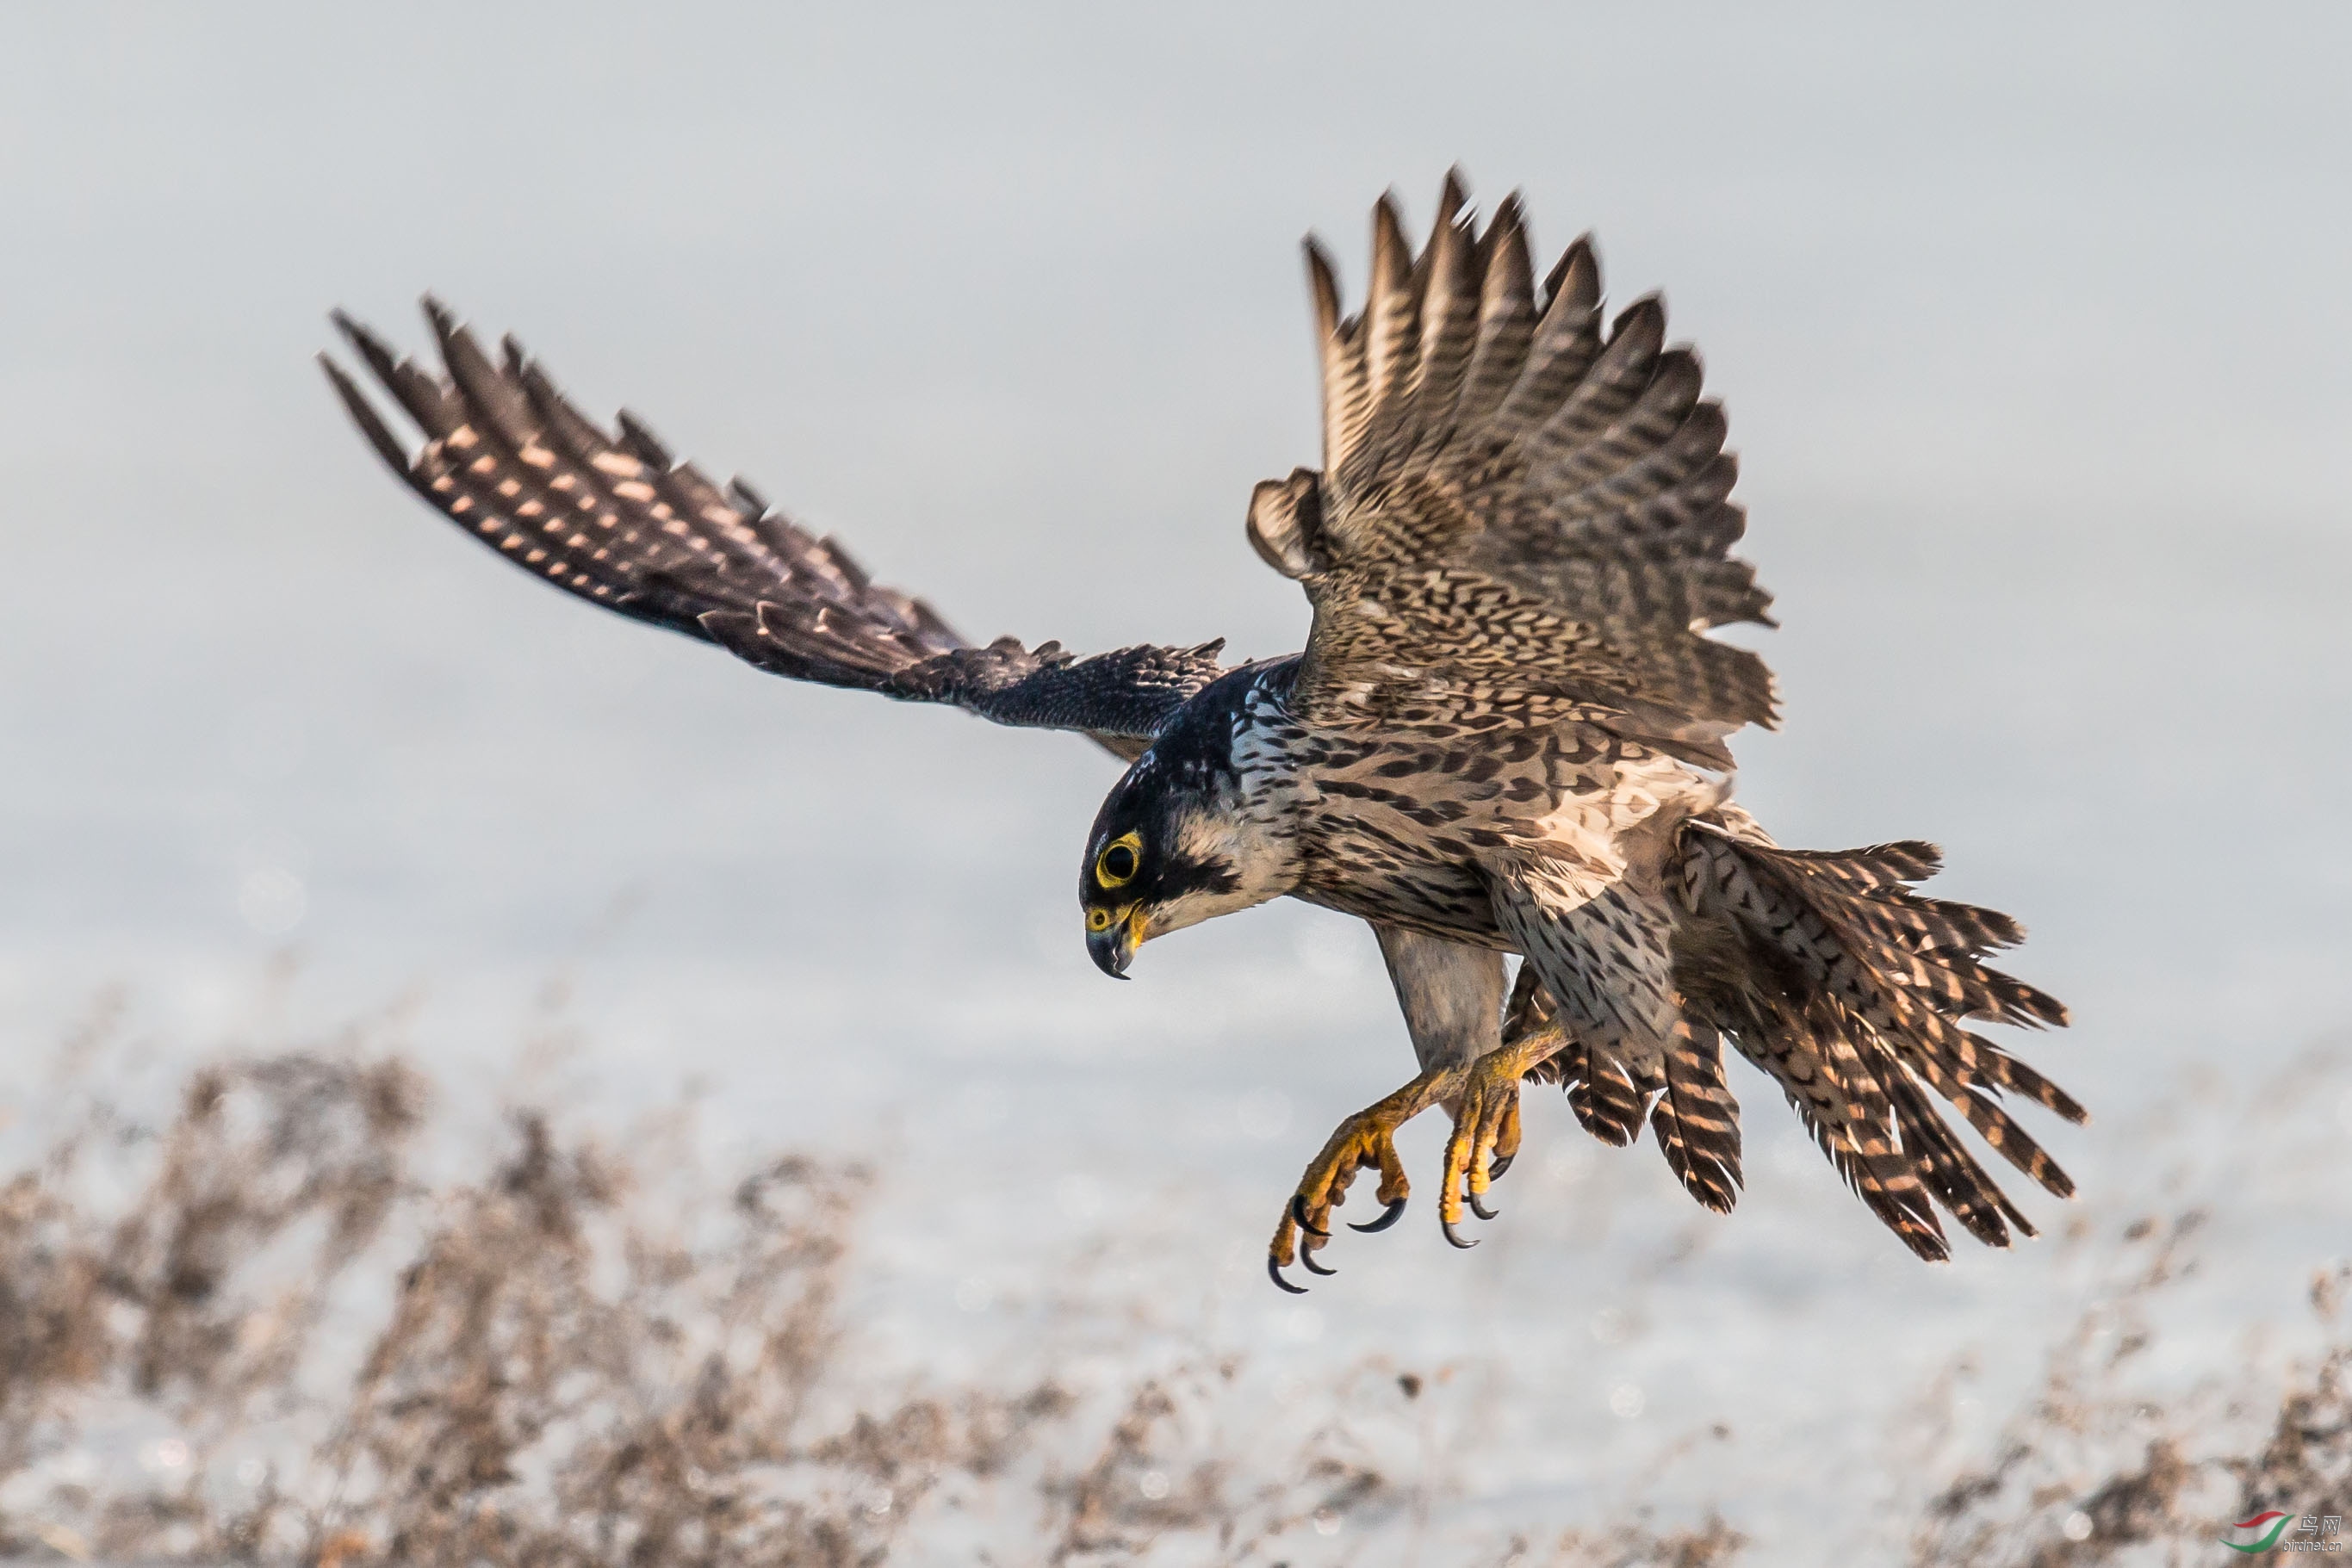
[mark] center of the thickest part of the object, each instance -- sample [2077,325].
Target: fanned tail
[1851,990]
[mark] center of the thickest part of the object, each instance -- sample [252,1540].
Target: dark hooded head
[1180,839]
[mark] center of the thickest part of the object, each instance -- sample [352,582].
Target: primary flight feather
[1506,733]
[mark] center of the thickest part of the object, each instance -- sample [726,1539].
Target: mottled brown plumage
[1515,547]
[1506,733]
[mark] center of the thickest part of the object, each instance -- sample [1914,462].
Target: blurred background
[2034,332]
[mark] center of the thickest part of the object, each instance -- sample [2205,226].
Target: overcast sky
[2034,324]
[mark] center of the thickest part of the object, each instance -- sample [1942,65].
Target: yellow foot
[1485,1131]
[1484,1101]
[1365,1141]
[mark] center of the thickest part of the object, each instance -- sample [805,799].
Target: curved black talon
[1447,1227]
[1388,1216]
[1274,1272]
[1298,1213]
[1306,1261]
[1480,1209]
[1495,1167]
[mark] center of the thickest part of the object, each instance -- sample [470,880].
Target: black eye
[1119,863]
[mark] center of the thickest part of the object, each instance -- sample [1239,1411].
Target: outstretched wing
[613,519]
[1518,514]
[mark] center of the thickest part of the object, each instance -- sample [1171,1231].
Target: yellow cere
[1098,919]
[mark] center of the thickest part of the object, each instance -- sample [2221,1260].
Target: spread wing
[1519,514]
[613,519]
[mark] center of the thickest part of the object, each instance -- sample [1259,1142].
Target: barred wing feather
[612,517]
[1517,510]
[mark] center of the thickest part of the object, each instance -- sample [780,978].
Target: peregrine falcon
[1505,735]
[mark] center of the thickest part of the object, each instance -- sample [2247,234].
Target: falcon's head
[1179,841]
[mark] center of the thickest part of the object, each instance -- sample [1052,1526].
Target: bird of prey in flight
[1506,733]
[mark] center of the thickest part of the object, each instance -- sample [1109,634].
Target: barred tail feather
[2015,1076]
[1696,1119]
[1882,1176]
[1849,990]
[1601,1092]
[1607,1102]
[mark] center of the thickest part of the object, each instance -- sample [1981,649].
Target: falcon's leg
[1451,997]
[1487,1127]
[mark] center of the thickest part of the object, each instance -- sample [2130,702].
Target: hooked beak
[1113,948]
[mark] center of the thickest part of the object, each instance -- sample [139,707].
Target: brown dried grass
[566,1360]
[563,1357]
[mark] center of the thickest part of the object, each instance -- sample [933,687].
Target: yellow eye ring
[1120,860]
[1097,920]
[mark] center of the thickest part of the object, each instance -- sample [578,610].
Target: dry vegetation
[568,1361]
[2092,1471]
[256,1330]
